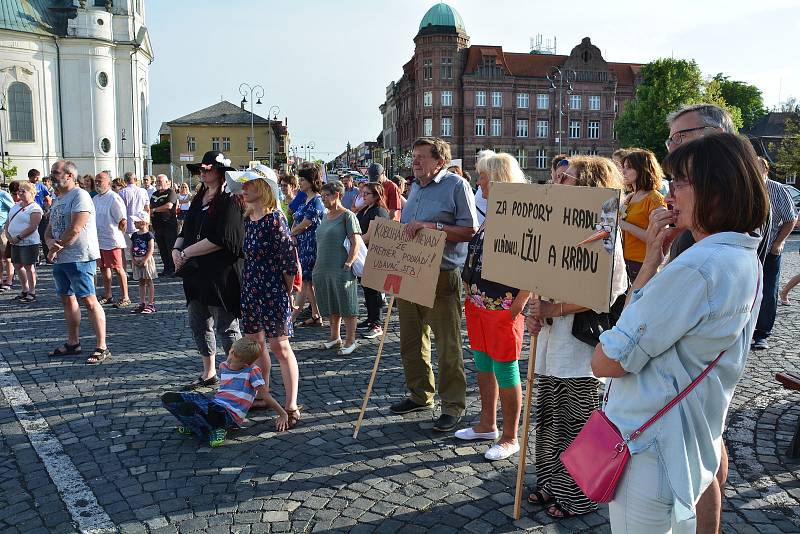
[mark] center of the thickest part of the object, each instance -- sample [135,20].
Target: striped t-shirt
[781,208]
[237,389]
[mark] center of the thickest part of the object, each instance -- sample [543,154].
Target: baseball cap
[143,216]
[374,171]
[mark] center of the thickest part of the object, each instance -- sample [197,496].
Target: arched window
[20,112]
[143,112]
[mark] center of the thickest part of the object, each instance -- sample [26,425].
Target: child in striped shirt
[239,382]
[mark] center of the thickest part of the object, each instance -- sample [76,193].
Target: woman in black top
[374,206]
[207,256]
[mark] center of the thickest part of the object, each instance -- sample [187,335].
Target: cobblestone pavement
[100,432]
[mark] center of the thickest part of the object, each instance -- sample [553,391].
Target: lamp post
[308,148]
[272,134]
[566,76]
[258,91]
[123,138]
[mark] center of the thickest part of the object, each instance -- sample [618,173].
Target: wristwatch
[439,226]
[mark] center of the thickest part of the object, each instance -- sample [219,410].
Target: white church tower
[74,83]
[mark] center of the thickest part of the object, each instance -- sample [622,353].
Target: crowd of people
[260,254]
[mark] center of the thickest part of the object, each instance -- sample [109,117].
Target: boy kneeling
[239,382]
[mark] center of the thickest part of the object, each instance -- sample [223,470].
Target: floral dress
[314,211]
[269,254]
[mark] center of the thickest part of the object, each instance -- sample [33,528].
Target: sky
[326,63]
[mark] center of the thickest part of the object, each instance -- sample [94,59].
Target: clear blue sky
[326,63]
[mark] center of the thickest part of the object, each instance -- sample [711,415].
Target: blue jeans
[75,278]
[197,412]
[769,302]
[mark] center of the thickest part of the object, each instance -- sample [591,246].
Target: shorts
[147,271]
[111,259]
[25,254]
[75,278]
[494,333]
[506,373]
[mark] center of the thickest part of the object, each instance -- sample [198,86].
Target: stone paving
[399,476]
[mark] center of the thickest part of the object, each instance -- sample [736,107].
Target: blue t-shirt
[299,200]
[139,243]
[41,194]
[6,202]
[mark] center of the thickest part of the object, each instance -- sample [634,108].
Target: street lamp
[308,148]
[564,77]
[123,138]
[258,91]
[272,133]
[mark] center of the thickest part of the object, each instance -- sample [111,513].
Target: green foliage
[788,161]
[160,152]
[712,94]
[666,85]
[8,170]
[744,96]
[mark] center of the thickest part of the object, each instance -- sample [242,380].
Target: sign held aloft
[538,238]
[406,268]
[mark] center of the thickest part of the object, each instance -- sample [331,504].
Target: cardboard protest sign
[406,268]
[555,240]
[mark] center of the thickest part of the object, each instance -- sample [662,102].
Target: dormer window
[490,69]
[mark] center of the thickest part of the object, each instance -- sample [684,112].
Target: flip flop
[66,350]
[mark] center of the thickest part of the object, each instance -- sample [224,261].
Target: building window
[447,126]
[226,144]
[489,68]
[250,145]
[542,128]
[522,127]
[447,98]
[497,127]
[497,99]
[480,127]
[427,127]
[541,159]
[480,99]
[427,69]
[594,103]
[593,130]
[522,158]
[592,151]
[20,112]
[542,101]
[573,152]
[447,68]
[574,129]
[523,100]
[427,99]
[215,143]
[102,79]
[191,143]
[105,145]
[574,101]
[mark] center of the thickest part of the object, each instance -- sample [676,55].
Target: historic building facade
[532,105]
[74,84]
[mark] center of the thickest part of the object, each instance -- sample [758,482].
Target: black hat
[213,159]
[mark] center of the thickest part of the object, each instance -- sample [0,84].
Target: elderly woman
[567,390]
[642,175]
[22,233]
[306,220]
[710,292]
[335,283]
[207,256]
[495,327]
[269,268]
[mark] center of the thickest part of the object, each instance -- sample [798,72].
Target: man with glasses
[72,240]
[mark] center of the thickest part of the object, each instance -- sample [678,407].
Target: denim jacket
[699,305]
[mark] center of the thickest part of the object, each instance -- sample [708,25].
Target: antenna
[540,46]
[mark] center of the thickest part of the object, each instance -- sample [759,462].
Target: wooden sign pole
[523,450]
[374,368]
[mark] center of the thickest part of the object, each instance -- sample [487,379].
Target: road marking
[76,494]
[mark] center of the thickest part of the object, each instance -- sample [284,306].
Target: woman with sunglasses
[691,320]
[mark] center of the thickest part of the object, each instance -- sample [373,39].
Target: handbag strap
[690,387]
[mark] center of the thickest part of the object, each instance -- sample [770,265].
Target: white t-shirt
[481,204]
[136,200]
[20,220]
[109,211]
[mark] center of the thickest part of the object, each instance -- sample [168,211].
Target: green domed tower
[442,19]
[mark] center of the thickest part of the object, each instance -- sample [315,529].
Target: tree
[744,96]
[712,94]
[666,85]
[160,153]
[788,160]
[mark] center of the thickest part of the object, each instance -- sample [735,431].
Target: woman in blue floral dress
[269,269]
[306,221]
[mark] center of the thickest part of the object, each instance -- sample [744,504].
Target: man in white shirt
[136,201]
[111,220]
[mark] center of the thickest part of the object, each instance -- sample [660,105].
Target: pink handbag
[597,456]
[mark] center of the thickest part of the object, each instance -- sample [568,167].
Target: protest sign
[544,238]
[406,268]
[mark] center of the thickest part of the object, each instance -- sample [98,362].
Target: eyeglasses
[678,137]
[561,178]
[677,184]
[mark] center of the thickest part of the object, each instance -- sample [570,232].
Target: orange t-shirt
[638,214]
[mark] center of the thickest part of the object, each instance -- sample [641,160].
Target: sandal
[105,300]
[66,350]
[556,511]
[4,288]
[30,297]
[122,303]
[537,497]
[98,356]
[294,417]
[314,320]
[21,296]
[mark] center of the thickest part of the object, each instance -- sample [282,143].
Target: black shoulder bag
[588,325]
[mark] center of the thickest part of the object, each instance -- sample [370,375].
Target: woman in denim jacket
[676,322]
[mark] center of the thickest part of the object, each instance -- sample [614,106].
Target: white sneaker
[344,351]
[333,344]
[498,452]
[469,434]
